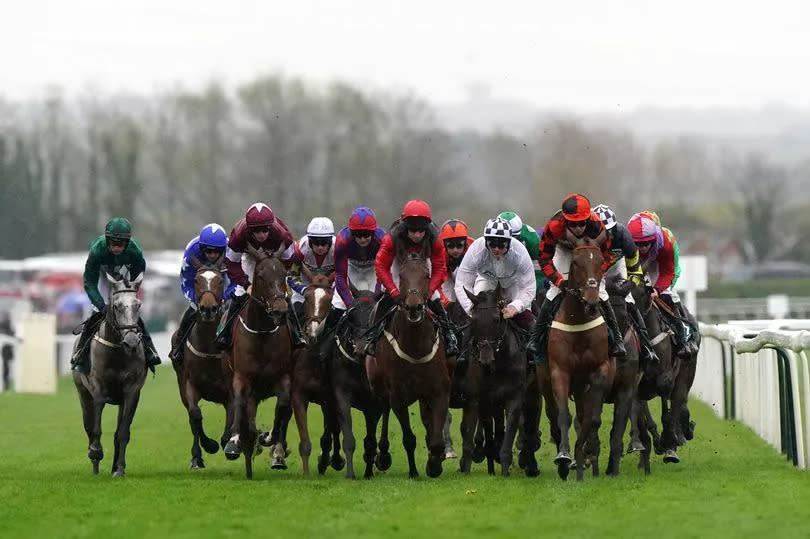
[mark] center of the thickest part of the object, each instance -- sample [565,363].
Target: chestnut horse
[261,358]
[310,381]
[199,370]
[411,366]
[579,363]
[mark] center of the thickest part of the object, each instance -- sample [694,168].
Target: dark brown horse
[351,388]
[310,381]
[261,359]
[496,376]
[411,366]
[117,372]
[199,370]
[579,364]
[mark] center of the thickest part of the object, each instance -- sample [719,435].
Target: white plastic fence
[758,372]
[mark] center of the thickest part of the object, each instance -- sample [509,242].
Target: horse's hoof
[278,464]
[433,468]
[196,464]
[323,464]
[563,470]
[671,457]
[563,459]
[210,446]
[635,447]
[95,454]
[383,461]
[479,454]
[450,454]
[265,439]
[690,430]
[232,451]
[532,470]
[119,473]
[337,462]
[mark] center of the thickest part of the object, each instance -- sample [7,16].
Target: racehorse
[261,359]
[199,370]
[496,377]
[310,381]
[117,371]
[579,363]
[410,365]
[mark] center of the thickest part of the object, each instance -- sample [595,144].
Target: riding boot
[648,355]
[448,329]
[149,350]
[538,338]
[224,334]
[683,328]
[186,323]
[323,343]
[80,361]
[296,334]
[377,326]
[615,340]
[694,329]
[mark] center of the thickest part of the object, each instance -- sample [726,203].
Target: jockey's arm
[92,270]
[342,270]
[526,283]
[382,265]
[548,246]
[666,268]
[438,267]
[466,273]
[295,279]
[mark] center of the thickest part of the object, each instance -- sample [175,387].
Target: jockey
[207,248]
[115,252]
[456,238]
[261,229]
[413,232]
[668,232]
[496,258]
[626,265]
[657,252]
[555,259]
[528,236]
[314,254]
[356,249]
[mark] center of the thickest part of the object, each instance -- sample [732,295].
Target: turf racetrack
[729,483]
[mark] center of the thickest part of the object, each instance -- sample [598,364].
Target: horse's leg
[248,431]
[644,439]
[330,417]
[651,427]
[560,386]
[325,443]
[233,448]
[635,421]
[479,451]
[282,421]
[669,438]
[383,460]
[513,413]
[530,426]
[228,420]
[91,427]
[126,413]
[344,413]
[488,426]
[470,420]
[434,415]
[408,438]
[372,416]
[449,452]
[299,406]
[621,412]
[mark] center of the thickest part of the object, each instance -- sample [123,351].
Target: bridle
[590,283]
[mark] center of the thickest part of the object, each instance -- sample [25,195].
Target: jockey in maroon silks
[261,229]
[413,232]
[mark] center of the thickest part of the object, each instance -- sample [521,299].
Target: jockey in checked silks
[261,229]
[555,259]
[658,258]
[626,265]
[413,232]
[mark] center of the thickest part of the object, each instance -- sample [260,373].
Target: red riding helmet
[363,218]
[416,208]
[258,215]
[454,228]
[576,207]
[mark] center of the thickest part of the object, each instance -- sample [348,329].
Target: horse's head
[488,325]
[358,318]
[317,300]
[585,273]
[664,371]
[124,311]
[209,287]
[414,281]
[269,284]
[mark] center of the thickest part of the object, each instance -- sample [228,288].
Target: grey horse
[117,372]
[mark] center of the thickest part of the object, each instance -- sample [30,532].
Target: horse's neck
[106,331]
[653,321]
[202,334]
[572,311]
[410,336]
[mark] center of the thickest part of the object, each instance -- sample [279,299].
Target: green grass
[729,483]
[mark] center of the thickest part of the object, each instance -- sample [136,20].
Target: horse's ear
[601,238]
[255,253]
[572,240]
[332,278]
[472,296]
[196,263]
[110,278]
[136,282]
[277,253]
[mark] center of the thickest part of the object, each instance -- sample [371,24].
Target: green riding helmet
[118,228]
[514,220]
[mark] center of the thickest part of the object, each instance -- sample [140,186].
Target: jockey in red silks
[657,251]
[261,229]
[413,232]
[575,216]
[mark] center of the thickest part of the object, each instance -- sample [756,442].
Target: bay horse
[579,363]
[117,371]
[351,388]
[411,365]
[496,377]
[261,358]
[199,370]
[310,380]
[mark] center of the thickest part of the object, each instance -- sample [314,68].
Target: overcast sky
[585,55]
